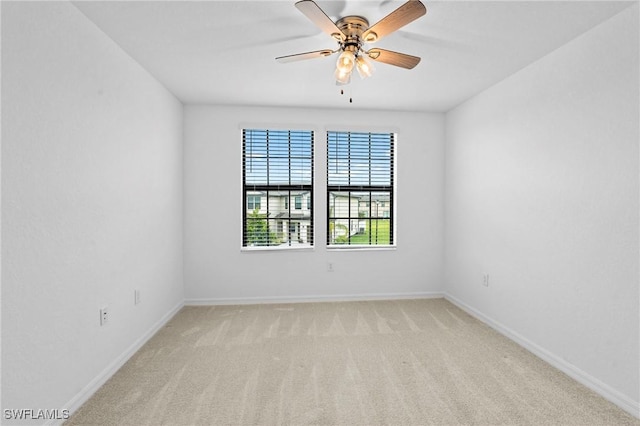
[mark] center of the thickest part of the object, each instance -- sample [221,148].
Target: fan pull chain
[350,97]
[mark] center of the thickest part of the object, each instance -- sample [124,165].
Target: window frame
[389,214]
[287,191]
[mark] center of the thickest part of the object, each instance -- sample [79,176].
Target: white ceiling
[222,52]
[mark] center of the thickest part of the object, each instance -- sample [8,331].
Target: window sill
[263,249]
[361,248]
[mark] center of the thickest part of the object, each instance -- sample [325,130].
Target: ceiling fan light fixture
[346,61]
[342,77]
[364,67]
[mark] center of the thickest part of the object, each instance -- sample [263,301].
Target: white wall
[215,268]
[92,204]
[541,193]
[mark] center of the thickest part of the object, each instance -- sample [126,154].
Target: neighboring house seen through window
[360,189]
[277,166]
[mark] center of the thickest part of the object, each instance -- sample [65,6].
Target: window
[276,166]
[253,202]
[360,189]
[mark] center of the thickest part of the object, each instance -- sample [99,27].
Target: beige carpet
[405,362]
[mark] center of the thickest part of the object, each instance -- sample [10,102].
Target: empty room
[335,212]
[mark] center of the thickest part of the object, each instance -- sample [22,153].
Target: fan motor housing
[353,27]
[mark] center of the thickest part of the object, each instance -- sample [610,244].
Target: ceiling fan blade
[408,12]
[394,58]
[306,55]
[312,11]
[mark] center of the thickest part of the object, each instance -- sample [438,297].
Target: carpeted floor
[402,362]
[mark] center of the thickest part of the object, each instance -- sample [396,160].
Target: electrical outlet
[329,266]
[104,316]
[136,297]
[485,280]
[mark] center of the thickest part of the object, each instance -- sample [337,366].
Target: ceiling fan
[352,33]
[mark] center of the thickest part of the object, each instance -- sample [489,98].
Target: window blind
[277,175]
[360,188]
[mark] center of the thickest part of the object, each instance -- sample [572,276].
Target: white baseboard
[623,401]
[83,396]
[310,299]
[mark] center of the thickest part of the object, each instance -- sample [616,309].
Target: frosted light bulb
[346,61]
[342,77]
[365,69]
